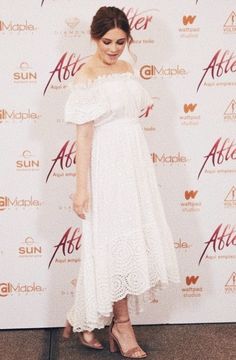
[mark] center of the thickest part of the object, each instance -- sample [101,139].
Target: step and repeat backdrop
[186,58]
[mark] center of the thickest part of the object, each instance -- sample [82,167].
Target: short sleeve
[146,99]
[83,105]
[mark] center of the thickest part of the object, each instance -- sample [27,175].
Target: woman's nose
[113,47]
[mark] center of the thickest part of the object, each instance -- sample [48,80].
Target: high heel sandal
[93,344]
[115,345]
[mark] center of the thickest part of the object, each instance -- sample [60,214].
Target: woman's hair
[107,18]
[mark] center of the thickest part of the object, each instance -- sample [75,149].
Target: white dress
[127,247]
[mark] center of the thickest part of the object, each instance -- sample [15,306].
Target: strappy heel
[115,345]
[67,331]
[93,344]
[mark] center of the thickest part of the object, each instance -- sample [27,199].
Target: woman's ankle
[123,327]
[121,320]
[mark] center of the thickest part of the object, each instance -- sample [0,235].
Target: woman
[127,248]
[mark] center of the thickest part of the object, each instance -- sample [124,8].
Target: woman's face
[111,45]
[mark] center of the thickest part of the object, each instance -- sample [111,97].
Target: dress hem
[107,316]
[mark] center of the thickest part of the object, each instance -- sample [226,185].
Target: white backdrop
[186,59]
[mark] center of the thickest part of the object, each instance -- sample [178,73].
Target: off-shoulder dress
[127,246]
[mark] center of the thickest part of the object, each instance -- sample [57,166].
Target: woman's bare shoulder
[85,73]
[126,66]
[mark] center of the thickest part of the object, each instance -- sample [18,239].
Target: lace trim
[101,78]
[95,295]
[150,295]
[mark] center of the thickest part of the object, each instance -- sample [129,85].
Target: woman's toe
[98,344]
[140,353]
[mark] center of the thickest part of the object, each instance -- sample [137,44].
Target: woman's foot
[124,333]
[87,338]
[67,331]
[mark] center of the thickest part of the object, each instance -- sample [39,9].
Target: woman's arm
[84,138]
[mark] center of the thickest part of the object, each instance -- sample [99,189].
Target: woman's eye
[118,42]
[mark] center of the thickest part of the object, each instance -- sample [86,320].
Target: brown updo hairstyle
[108,18]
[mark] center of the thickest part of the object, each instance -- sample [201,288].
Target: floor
[162,342]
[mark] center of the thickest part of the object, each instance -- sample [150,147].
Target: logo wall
[65,159]
[192,289]
[69,288]
[230,286]
[230,199]
[190,114]
[230,112]
[191,204]
[67,67]
[68,245]
[19,289]
[9,203]
[71,29]
[167,159]
[25,74]
[190,129]
[152,71]
[182,245]
[221,245]
[29,248]
[18,28]
[222,64]
[17,117]
[189,30]
[222,152]
[230,24]
[28,162]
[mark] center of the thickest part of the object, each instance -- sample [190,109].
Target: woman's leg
[87,336]
[123,331]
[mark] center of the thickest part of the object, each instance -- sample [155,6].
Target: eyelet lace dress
[127,247]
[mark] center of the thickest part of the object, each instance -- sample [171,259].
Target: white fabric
[127,247]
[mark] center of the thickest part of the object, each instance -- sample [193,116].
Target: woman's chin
[109,59]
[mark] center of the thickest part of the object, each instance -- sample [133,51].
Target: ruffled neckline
[102,78]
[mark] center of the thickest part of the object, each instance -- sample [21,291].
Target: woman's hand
[81,203]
